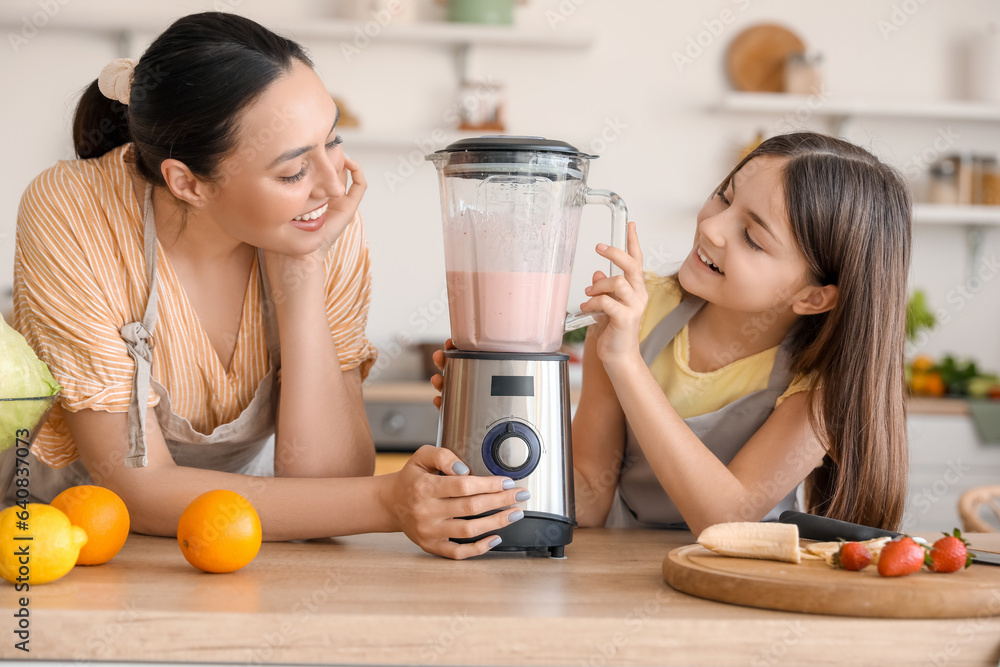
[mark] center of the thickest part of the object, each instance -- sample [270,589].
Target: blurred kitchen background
[668,93]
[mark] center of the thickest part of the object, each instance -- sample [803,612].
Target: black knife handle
[812,527]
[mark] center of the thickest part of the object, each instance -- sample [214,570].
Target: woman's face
[286,178]
[744,231]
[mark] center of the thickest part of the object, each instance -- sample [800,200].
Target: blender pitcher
[511,208]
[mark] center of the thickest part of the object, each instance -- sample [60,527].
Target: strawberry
[900,557]
[949,554]
[852,556]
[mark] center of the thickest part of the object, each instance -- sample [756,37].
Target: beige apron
[640,501]
[244,445]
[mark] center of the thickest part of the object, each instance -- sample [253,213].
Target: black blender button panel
[511,449]
[512,385]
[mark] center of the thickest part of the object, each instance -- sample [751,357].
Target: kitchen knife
[812,527]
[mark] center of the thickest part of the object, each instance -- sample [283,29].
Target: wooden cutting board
[755,59]
[814,587]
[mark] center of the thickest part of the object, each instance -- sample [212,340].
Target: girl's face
[744,256]
[287,168]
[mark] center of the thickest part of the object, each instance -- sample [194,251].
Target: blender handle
[619,228]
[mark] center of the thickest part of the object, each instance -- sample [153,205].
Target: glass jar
[991,182]
[942,183]
[802,74]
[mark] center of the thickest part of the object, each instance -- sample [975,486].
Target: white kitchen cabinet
[946,458]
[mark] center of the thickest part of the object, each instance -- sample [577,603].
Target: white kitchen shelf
[434,33]
[356,137]
[836,108]
[939,214]
[443,33]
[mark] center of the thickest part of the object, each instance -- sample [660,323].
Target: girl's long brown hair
[850,214]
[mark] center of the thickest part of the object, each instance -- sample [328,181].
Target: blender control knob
[511,449]
[513,452]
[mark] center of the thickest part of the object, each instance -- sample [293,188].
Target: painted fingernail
[522,496]
[515,516]
[495,541]
[460,468]
[508,484]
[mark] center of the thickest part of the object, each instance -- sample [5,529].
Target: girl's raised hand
[437,380]
[622,299]
[424,504]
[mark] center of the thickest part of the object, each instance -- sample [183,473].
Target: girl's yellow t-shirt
[693,393]
[80,275]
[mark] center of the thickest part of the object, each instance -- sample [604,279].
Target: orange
[102,515]
[935,384]
[919,383]
[923,363]
[219,531]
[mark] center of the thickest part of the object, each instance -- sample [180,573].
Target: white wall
[667,154]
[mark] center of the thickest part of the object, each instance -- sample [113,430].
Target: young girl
[775,355]
[199,282]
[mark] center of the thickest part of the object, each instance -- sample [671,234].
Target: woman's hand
[622,299]
[342,209]
[302,277]
[339,214]
[438,379]
[424,504]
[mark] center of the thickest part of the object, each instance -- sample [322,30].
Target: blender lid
[515,143]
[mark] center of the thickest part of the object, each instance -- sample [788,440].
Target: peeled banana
[827,550]
[768,541]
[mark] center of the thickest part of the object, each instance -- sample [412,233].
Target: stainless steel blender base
[508,415]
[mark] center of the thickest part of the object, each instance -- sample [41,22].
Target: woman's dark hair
[188,93]
[850,215]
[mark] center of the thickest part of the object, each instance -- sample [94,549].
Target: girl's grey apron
[244,445]
[640,501]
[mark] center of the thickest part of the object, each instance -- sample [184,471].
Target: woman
[198,281]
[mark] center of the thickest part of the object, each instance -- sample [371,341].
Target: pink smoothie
[507,311]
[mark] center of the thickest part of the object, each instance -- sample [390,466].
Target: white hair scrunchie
[115,80]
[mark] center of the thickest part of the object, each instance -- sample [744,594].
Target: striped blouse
[80,275]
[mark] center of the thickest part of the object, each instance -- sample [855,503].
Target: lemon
[37,544]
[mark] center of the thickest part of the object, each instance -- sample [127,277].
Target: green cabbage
[22,376]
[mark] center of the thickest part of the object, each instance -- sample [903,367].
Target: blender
[511,208]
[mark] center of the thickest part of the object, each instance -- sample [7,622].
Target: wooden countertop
[377,599]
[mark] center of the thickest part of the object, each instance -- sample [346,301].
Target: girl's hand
[424,504]
[622,299]
[438,379]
